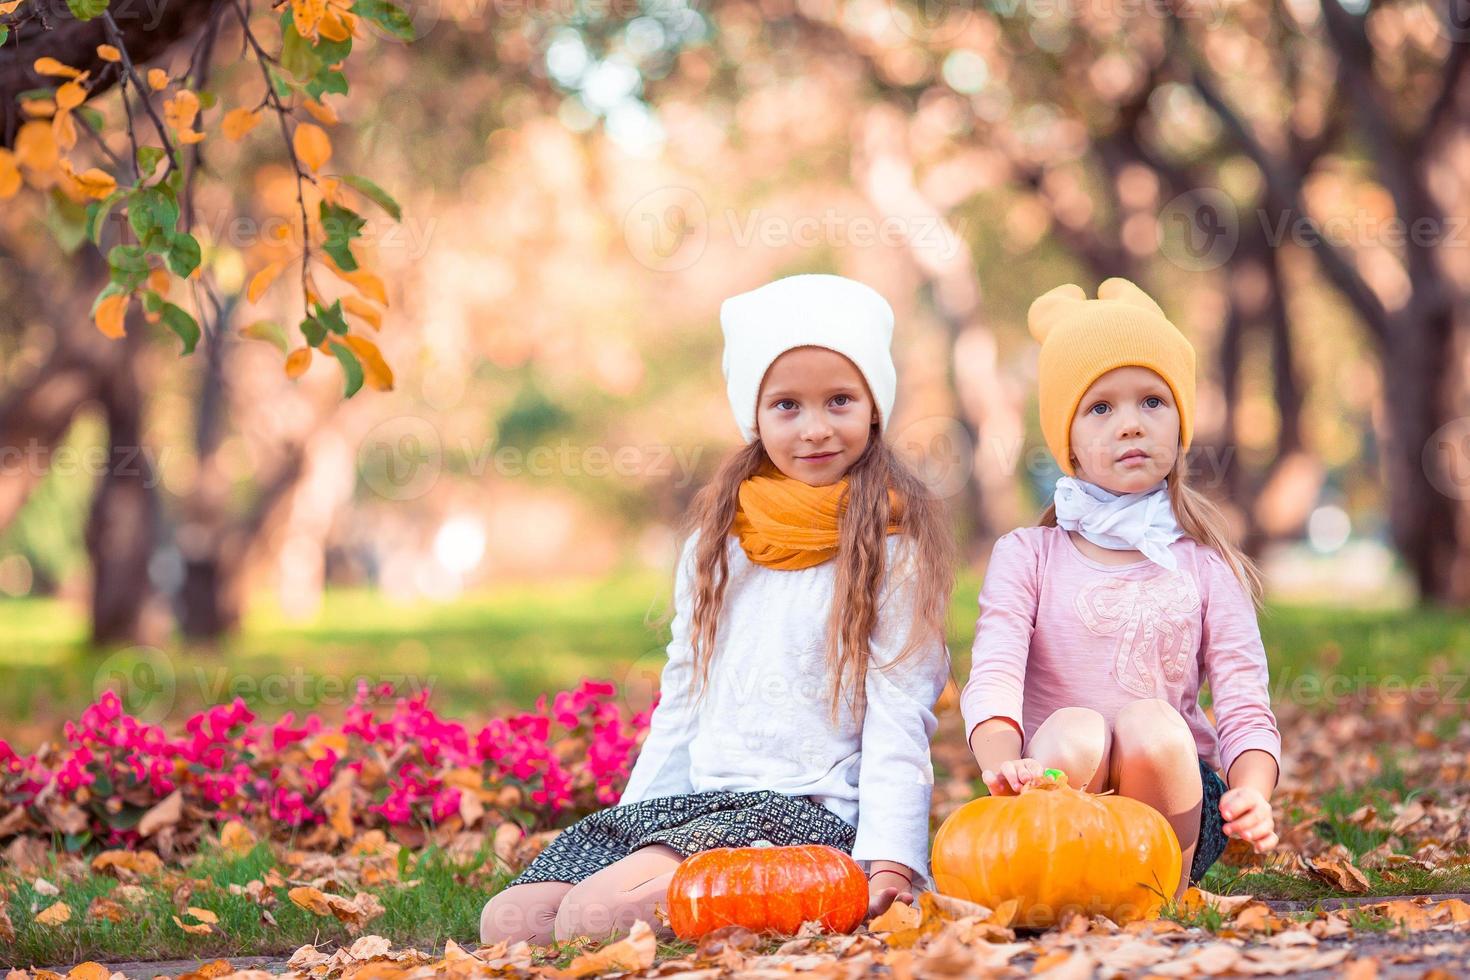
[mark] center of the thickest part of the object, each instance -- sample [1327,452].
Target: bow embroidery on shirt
[1152,621]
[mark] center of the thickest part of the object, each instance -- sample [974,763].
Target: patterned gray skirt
[1212,839]
[689,823]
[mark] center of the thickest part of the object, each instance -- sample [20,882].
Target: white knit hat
[815,310]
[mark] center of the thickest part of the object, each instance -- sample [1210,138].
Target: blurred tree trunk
[122,528]
[1413,341]
[35,417]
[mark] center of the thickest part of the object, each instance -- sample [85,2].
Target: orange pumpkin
[767,888]
[1052,847]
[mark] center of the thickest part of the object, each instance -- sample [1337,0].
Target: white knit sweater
[764,721]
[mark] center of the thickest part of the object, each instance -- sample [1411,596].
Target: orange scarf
[787,524]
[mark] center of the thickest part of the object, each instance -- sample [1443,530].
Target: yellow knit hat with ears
[1082,339]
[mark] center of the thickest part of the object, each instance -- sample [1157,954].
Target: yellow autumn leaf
[324,113]
[312,145]
[108,53]
[262,280]
[95,183]
[64,128]
[238,122]
[35,146]
[237,838]
[50,66]
[109,317]
[375,370]
[633,954]
[311,899]
[366,282]
[296,366]
[8,7]
[123,864]
[179,111]
[197,929]
[157,79]
[54,915]
[9,174]
[70,95]
[363,311]
[333,26]
[203,915]
[305,14]
[90,970]
[43,108]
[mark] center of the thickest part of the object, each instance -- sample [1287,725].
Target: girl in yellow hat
[1098,627]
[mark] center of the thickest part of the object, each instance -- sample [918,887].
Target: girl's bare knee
[522,913]
[1151,731]
[1074,740]
[590,910]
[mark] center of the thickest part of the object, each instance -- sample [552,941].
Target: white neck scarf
[1142,521]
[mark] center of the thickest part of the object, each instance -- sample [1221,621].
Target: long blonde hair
[1202,521]
[861,561]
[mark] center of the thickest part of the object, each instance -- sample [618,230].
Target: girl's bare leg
[1154,759]
[610,901]
[523,912]
[1074,740]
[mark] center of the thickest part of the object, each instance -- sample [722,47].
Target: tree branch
[74,42]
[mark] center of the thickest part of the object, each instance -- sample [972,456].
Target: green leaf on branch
[97,212]
[177,319]
[350,367]
[331,317]
[86,9]
[153,212]
[67,220]
[148,159]
[375,194]
[183,253]
[94,118]
[268,331]
[314,331]
[341,225]
[389,16]
[329,82]
[128,265]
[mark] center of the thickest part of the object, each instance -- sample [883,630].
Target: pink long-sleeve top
[1059,629]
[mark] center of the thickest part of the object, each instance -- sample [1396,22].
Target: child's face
[814,414]
[1125,433]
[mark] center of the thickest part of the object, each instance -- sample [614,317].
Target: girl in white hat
[808,638]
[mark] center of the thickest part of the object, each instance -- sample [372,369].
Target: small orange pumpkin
[767,888]
[1053,847]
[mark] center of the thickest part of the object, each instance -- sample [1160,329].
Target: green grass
[445,904]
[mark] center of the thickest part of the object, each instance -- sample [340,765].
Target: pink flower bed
[410,767]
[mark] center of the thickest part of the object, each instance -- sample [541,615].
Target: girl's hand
[1012,776]
[886,887]
[1247,815]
